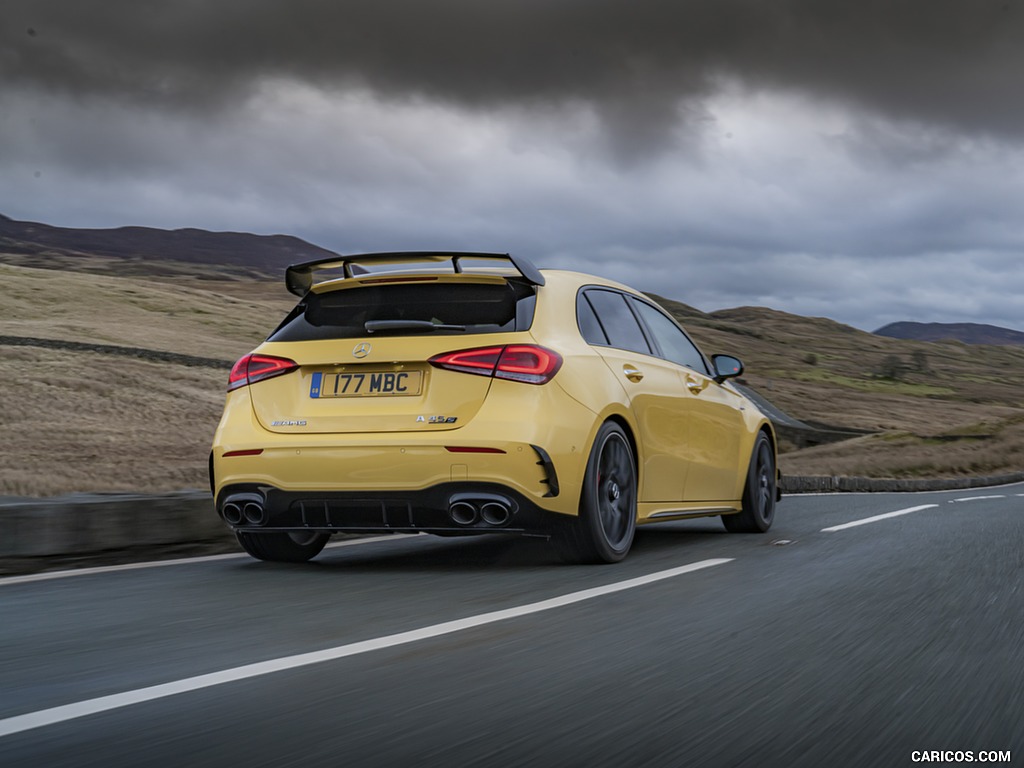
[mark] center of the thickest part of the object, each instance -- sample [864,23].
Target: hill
[968,333]
[144,250]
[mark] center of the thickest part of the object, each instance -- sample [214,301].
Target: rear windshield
[450,308]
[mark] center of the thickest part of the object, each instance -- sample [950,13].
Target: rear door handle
[633,374]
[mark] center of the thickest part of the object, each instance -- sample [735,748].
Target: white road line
[30,720]
[50,575]
[876,518]
[976,498]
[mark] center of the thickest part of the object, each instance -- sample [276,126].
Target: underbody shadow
[487,553]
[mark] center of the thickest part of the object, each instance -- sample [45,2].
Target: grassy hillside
[220,320]
[83,421]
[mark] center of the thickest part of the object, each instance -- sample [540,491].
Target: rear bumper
[453,508]
[527,444]
[405,469]
[499,447]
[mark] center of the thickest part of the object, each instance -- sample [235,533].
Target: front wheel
[603,531]
[759,494]
[286,547]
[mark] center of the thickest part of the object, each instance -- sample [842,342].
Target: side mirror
[726,367]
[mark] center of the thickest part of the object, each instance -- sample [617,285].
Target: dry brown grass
[208,320]
[79,421]
[904,455]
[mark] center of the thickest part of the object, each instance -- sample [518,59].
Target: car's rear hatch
[363,347]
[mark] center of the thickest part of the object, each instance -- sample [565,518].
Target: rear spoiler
[299,277]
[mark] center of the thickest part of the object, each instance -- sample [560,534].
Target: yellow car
[471,393]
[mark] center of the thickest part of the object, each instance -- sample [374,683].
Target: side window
[675,345]
[619,323]
[588,323]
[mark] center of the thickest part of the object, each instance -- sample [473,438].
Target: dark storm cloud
[856,160]
[951,62]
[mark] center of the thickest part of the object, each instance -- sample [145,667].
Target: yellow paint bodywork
[692,437]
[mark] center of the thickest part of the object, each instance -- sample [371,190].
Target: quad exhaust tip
[495,513]
[254,513]
[463,513]
[231,512]
[244,509]
[466,509]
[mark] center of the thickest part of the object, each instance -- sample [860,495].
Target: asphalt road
[858,646]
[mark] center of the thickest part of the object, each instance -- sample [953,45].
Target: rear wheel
[603,531]
[759,494]
[287,547]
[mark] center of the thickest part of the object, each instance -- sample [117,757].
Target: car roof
[567,279]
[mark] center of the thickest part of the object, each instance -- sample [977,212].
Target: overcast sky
[857,160]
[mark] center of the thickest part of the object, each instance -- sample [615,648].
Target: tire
[288,547]
[759,494]
[603,531]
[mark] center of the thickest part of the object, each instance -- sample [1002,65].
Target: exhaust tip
[244,509]
[254,513]
[462,513]
[232,513]
[495,513]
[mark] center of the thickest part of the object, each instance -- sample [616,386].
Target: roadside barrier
[796,484]
[83,524]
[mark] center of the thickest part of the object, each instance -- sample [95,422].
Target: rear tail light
[528,363]
[253,368]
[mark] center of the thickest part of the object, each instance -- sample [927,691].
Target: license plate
[366,384]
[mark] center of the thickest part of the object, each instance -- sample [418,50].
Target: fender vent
[550,476]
